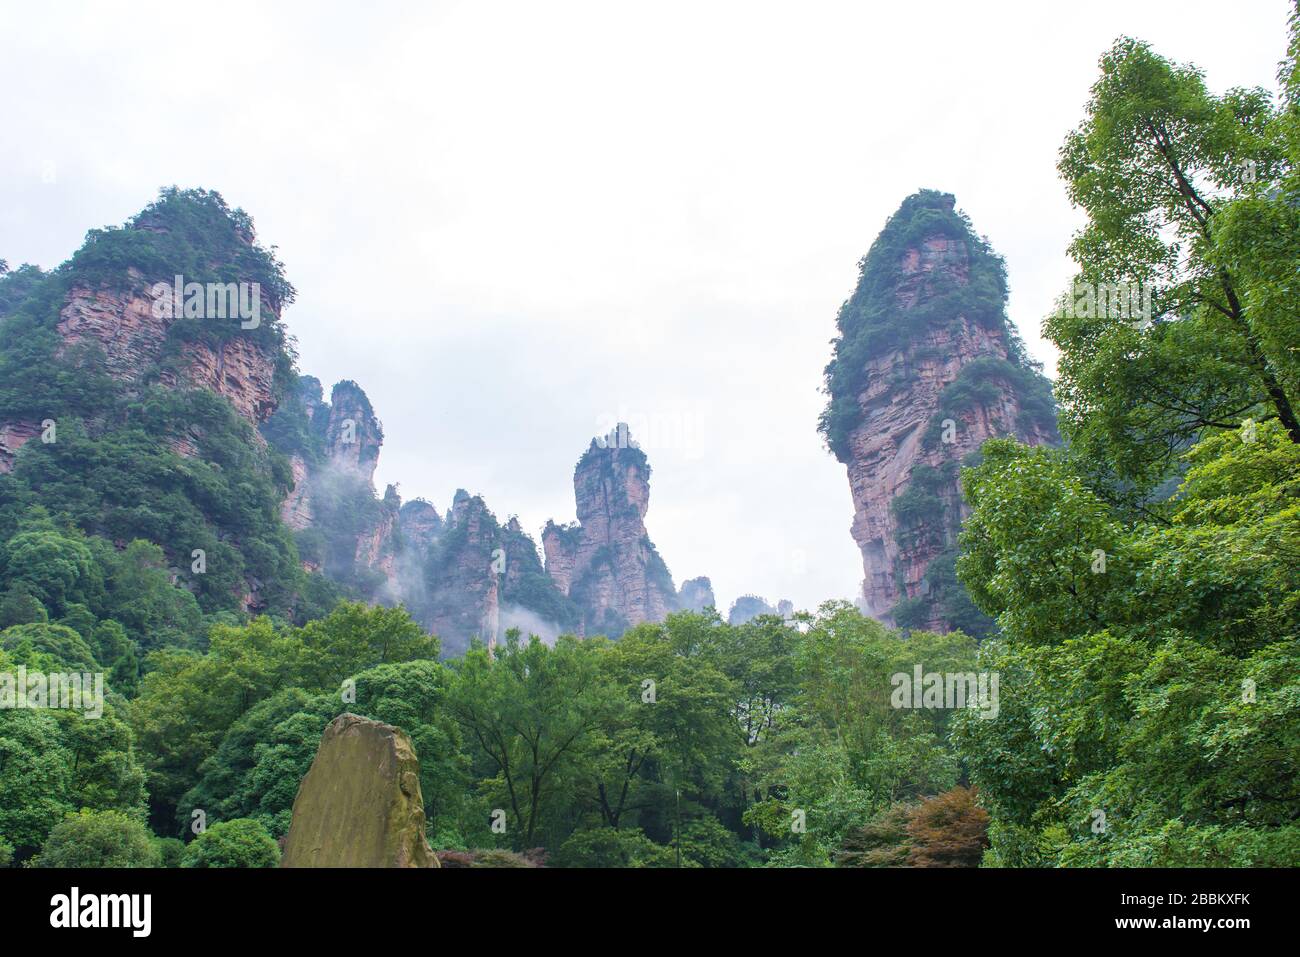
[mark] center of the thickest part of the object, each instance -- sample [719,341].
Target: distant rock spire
[606,562]
[926,368]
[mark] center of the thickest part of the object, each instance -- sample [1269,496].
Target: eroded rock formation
[236,369]
[455,574]
[464,576]
[140,311]
[333,449]
[748,607]
[353,434]
[606,562]
[13,436]
[696,595]
[926,369]
[378,544]
[296,510]
[421,525]
[360,803]
[135,341]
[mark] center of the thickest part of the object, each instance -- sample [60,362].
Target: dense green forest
[1143,581]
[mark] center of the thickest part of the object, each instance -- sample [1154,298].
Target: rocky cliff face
[236,369]
[96,347]
[606,563]
[421,525]
[464,576]
[926,369]
[296,511]
[138,346]
[13,436]
[135,340]
[333,449]
[748,607]
[696,595]
[378,545]
[120,321]
[352,432]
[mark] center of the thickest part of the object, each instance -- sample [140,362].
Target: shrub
[98,839]
[242,842]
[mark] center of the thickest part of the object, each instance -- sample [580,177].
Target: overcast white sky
[514,223]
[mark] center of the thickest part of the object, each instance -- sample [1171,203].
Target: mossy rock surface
[360,803]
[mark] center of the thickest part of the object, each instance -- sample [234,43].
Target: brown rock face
[376,546]
[122,322]
[333,488]
[948,376]
[296,510]
[13,436]
[520,553]
[353,434]
[186,444]
[421,525]
[237,370]
[606,562]
[360,804]
[465,593]
[888,447]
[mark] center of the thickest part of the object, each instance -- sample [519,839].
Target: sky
[515,224]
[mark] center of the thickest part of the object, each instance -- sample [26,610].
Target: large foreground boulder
[360,804]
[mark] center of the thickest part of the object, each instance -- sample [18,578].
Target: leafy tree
[188,701]
[611,847]
[1041,549]
[170,851]
[58,644]
[57,760]
[1053,560]
[673,716]
[98,839]
[881,842]
[1129,689]
[238,843]
[143,599]
[105,765]
[56,568]
[1189,194]
[948,830]
[531,711]
[843,752]
[18,606]
[255,770]
[35,778]
[355,636]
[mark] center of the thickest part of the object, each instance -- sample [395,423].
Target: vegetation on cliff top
[105,527]
[871,322]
